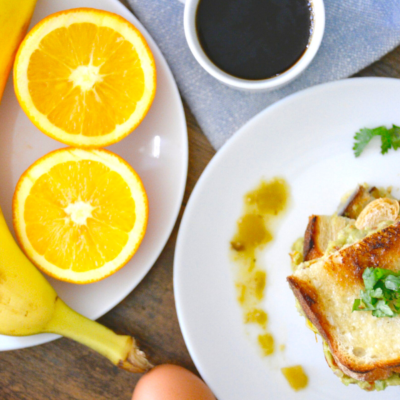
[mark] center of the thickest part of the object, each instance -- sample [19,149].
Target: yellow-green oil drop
[296,377]
[254,230]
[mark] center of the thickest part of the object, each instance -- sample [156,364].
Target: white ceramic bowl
[293,72]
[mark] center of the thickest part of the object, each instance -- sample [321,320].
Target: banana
[29,305]
[15,16]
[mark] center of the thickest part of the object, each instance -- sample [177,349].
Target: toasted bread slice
[321,229]
[364,347]
[358,200]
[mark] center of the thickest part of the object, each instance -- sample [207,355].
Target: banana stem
[121,350]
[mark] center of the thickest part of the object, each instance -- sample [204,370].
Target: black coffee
[254,39]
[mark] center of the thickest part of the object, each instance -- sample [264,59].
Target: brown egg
[170,382]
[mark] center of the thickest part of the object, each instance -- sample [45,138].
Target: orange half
[80,215]
[85,77]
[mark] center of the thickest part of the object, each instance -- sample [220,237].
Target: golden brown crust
[346,268]
[311,249]
[321,229]
[308,299]
[357,202]
[381,248]
[369,375]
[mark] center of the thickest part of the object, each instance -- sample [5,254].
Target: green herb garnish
[390,138]
[381,294]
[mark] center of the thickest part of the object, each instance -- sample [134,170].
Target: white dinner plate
[307,139]
[157,150]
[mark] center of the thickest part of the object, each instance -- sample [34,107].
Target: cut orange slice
[80,215]
[85,77]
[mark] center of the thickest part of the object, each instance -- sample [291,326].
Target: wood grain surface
[65,370]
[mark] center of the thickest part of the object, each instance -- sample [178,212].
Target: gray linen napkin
[357,32]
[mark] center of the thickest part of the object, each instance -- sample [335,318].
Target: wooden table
[65,370]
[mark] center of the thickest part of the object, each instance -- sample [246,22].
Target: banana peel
[15,16]
[29,305]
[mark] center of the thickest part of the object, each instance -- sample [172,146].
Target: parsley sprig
[390,138]
[381,294]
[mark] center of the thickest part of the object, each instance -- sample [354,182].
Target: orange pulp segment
[85,77]
[80,215]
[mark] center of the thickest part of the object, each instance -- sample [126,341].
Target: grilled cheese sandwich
[359,347]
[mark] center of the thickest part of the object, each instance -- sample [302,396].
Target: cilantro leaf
[357,305]
[395,134]
[368,301]
[377,294]
[396,305]
[390,138]
[386,139]
[381,294]
[392,283]
[362,138]
[383,310]
[372,275]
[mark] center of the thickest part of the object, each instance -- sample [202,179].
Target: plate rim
[45,338]
[208,170]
